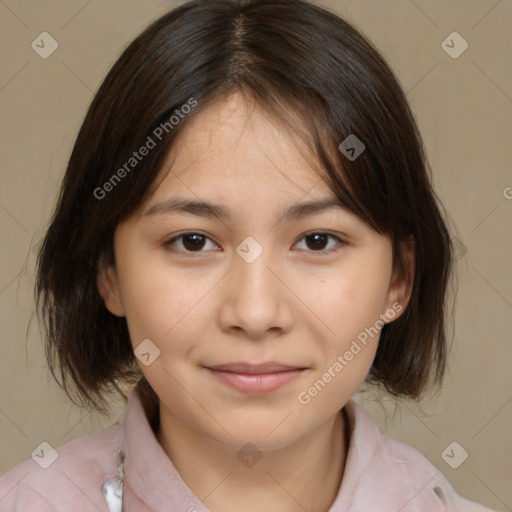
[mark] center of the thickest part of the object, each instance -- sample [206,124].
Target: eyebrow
[209,209]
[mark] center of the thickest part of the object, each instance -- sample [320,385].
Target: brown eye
[189,243]
[320,242]
[193,242]
[317,241]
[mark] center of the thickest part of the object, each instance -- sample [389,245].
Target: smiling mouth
[258,378]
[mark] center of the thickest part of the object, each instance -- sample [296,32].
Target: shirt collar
[363,435]
[152,476]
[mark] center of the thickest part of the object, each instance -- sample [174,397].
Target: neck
[303,476]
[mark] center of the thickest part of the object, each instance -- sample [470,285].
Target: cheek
[350,303]
[172,307]
[156,299]
[351,309]
[353,296]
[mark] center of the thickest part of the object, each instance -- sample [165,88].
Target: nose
[255,301]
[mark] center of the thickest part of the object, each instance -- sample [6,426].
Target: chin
[270,433]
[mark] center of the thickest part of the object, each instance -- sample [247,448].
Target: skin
[209,306]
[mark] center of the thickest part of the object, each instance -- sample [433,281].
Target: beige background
[464,109]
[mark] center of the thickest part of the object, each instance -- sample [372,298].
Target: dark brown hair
[307,67]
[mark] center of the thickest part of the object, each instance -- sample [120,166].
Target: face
[253,277]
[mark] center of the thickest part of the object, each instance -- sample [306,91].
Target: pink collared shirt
[380,475]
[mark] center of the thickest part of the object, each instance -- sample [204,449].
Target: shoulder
[71,475]
[395,475]
[420,480]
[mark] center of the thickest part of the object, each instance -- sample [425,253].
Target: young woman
[246,233]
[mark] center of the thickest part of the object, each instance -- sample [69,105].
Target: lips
[248,368]
[255,378]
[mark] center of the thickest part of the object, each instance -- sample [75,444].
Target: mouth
[255,378]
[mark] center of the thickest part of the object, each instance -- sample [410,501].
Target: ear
[108,287]
[400,288]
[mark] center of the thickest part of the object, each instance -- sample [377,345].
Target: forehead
[233,144]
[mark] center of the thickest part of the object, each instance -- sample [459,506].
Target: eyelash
[169,243]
